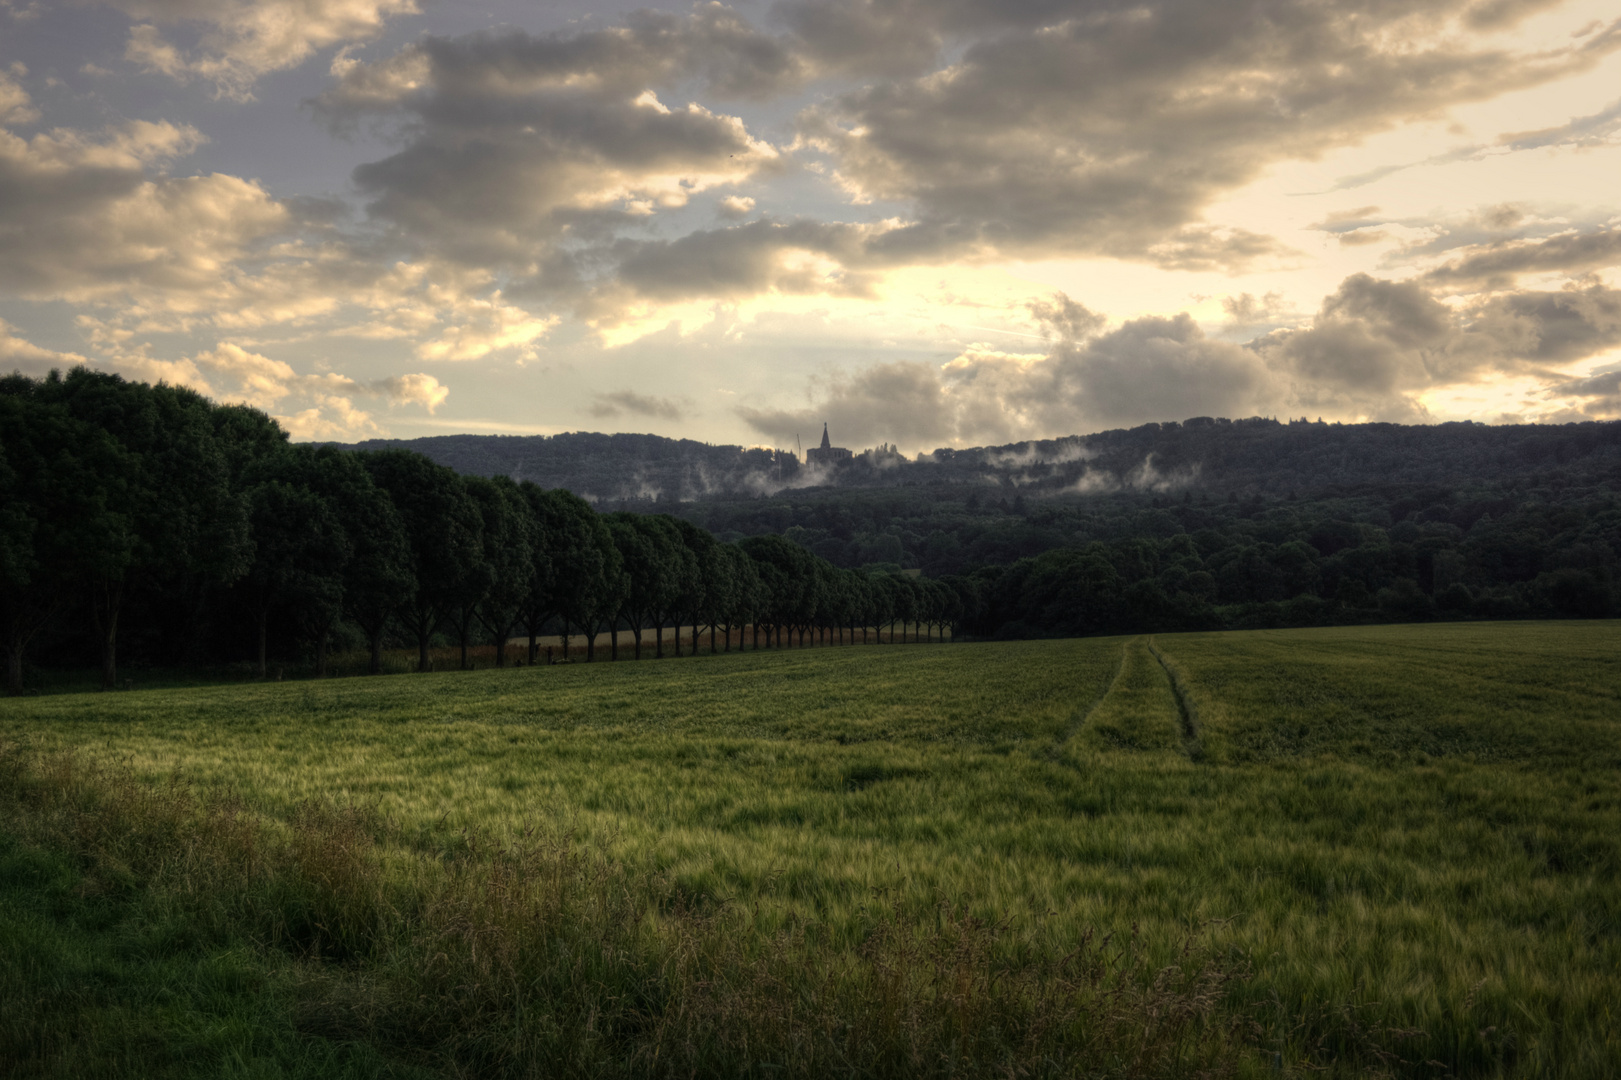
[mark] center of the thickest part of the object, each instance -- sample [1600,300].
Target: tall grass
[542,956]
[1410,837]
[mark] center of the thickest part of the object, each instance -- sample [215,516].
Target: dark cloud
[743,261]
[1375,343]
[1598,397]
[628,401]
[1039,128]
[1106,129]
[515,143]
[1499,263]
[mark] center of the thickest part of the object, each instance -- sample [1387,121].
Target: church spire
[825,443]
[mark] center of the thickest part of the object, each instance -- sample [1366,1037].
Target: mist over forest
[1249,457]
[1201,524]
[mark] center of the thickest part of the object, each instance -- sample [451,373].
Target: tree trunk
[658,641]
[104,608]
[109,656]
[591,643]
[24,624]
[321,649]
[532,646]
[637,629]
[564,637]
[424,627]
[263,671]
[613,642]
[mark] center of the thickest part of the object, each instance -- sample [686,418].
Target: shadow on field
[540,957]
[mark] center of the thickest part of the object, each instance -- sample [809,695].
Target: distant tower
[827,453]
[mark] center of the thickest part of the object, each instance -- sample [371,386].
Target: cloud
[87,217]
[242,40]
[1498,264]
[556,161]
[1107,129]
[1147,369]
[612,405]
[94,218]
[1579,133]
[514,142]
[16,354]
[16,107]
[480,327]
[1372,351]
[263,382]
[745,260]
[1598,396]
[1376,344]
[231,373]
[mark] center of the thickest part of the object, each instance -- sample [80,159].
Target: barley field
[1359,851]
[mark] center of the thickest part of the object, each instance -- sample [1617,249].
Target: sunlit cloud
[926,223]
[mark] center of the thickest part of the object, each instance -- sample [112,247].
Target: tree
[60,484]
[378,570]
[579,576]
[640,555]
[442,527]
[707,586]
[300,551]
[788,574]
[679,584]
[188,527]
[744,597]
[511,533]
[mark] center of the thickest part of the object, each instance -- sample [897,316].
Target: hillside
[1254,457]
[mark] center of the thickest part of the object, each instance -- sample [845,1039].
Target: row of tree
[112,490]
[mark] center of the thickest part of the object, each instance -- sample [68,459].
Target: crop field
[1365,851]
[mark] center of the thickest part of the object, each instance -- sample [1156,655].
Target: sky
[923,222]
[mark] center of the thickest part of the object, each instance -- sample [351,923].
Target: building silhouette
[827,453]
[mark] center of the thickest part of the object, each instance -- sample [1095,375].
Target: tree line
[120,497]
[150,520]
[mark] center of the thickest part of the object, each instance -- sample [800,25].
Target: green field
[1375,850]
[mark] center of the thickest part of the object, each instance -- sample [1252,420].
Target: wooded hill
[1248,457]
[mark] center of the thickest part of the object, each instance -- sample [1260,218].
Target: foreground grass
[1393,849]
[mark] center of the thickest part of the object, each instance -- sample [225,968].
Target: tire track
[1082,717]
[1185,706]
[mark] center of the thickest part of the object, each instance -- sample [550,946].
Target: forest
[150,524]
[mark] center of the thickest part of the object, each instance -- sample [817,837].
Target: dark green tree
[190,529]
[707,586]
[378,570]
[61,483]
[511,534]
[442,527]
[299,554]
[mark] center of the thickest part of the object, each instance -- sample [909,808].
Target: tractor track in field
[1082,716]
[1187,711]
